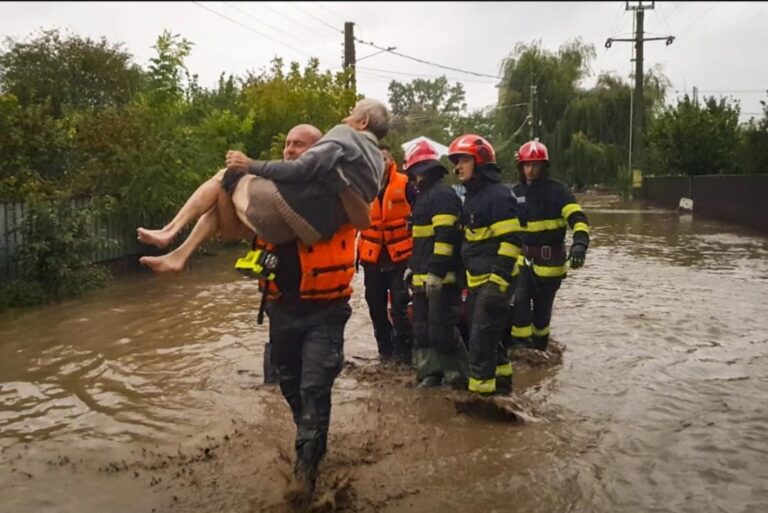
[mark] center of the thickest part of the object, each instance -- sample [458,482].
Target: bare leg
[201,201]
[221,218]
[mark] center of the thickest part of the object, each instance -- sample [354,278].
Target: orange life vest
[327,267]
[389,223]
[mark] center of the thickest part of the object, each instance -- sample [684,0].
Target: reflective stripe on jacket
[545,209]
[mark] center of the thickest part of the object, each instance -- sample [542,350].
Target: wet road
[659,404]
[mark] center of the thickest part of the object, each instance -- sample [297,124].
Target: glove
[577,255]
[408,277]
[433,284]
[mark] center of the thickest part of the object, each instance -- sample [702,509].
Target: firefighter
[440,354]
[545,207]
[489,254]
[308,308]
[383,250]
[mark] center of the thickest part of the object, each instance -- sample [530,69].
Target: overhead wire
[319,4]
[237,22]
[264,4]
[335,29]
[245,13]
[425,61]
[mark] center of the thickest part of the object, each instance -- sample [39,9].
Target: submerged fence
[738,199]
[107,229]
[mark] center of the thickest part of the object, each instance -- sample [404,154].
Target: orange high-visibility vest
[389,223]
[327,267]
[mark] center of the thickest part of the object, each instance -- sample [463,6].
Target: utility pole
[696,96]
[638,100]
[535,112]
[349,51]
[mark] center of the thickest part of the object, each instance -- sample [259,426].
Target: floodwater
[147,396]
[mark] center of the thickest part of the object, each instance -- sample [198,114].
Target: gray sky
[720,47]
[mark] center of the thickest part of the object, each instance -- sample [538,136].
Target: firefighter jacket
[322,271]
[390,213]
[491,242]
[545,207]
[436,233]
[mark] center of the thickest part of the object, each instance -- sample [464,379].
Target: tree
[68,72]
[754,145]
[694,139]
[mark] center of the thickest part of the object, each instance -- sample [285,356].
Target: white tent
[441,150]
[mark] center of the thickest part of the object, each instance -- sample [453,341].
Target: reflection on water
[658,406]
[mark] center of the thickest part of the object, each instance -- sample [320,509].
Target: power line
[422,75]
[325,36]
[250,28]
[427,62]
[745,91]
[700,17]
[228,4]
[329,11]
[335,29]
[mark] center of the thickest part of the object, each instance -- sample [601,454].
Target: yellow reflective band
[501,282]
[581,227]
[569,209]
[508,249]
[418,280]
[444,220]
[522,331]
[478,234]
[543,332]
[482,386]
[423,230]
[504,370]
[546,224]
[516,270]
[546,271]
[476,280]
[443,248]
[506,226]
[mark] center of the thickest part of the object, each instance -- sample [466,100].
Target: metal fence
[107,229]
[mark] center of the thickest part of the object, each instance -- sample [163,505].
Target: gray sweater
[342,157]
[311,184]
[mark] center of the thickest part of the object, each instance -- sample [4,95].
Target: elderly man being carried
[331,184]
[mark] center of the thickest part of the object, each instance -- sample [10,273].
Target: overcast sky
[720,47]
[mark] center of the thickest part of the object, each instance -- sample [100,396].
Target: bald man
[299,139]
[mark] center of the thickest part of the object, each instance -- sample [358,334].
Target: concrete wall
[738,199]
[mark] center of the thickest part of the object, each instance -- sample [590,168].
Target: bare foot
[163,264]
[159,238]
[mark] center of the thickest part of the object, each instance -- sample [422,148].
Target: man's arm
[314,163]
[505,227]
[445,225]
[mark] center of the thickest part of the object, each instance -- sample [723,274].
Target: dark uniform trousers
[436,335]
[534,298]
[308,353]
[487,324]
[378,282]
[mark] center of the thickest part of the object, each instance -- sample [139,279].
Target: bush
[59,244]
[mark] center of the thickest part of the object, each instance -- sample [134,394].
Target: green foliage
[59,242]
[68,72]
[694,139]
[278,101]
[754,146]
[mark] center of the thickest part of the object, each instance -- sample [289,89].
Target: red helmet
[419,152]
[532,151]
[470,144]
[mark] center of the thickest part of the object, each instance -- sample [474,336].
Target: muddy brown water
[147,396]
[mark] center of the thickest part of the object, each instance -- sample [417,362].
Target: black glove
[577,255]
